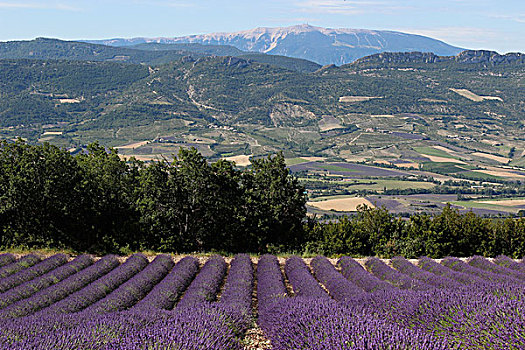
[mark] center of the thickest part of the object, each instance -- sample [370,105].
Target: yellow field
[501,173]
[473,97]
[341,204]
[407,165]
[69,100]
[351,99]
[443,159]
[491,156]
[133,145]
[506,202]
[241,160]
[314,159]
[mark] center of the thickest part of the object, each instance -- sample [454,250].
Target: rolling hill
[230,106]
[321,45]
[451,127]
[152,54]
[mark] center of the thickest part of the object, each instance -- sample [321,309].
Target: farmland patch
[353,99]
[329,123]
[133,145]
[473,97]
[499,173]
[346,204]
[242,160]
[499,159]
[506,202]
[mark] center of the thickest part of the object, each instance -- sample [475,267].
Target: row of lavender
[447,305]
[107,305]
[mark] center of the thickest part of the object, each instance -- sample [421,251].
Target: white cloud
[292,20]
[458,35]
[168,3]
[37,5]
[329,6]
[347,7]
[520,18]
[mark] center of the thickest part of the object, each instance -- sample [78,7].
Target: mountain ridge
[48,48]
[321,45]
[468,56]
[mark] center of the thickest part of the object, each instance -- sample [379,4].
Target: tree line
[376,232]
[97,202]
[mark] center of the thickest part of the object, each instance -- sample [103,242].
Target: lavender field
[170,302]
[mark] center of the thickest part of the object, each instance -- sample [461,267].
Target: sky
[472,24]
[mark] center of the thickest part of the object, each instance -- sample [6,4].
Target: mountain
[152,54]
[228,106]
[208,50]
[478,57]
[321,45]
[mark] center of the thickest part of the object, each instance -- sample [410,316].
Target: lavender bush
[6,258]
[19,265]
[483,309]
[404,266]
[460,266]
[507,262]
[30,287]
[136,288]
[386,273]
[28,274]
[103,286]
[205,286]
[427,264]
[302,281]
[166,293]
[482,263]
[355,273]
[338,286]
[59,291]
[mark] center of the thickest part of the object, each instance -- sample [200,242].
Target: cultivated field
[352,99]
[341,204]
[474,97]
[242,160]
[169,302]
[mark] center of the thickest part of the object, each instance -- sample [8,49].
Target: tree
[39,195]
[110,217]
[274,204]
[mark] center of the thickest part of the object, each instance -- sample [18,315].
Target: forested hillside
[152,54]
[260,108]
[449,130]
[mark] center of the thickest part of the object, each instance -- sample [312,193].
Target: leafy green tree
[419,238]
[39,195]
[108,182]
[379,228]
[157,198]
[274,204]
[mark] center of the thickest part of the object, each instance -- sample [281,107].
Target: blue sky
[476,24]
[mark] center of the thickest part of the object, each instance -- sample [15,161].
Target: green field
[295,161]
[480,176]
[431,151]
[377,184]
[477,205]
